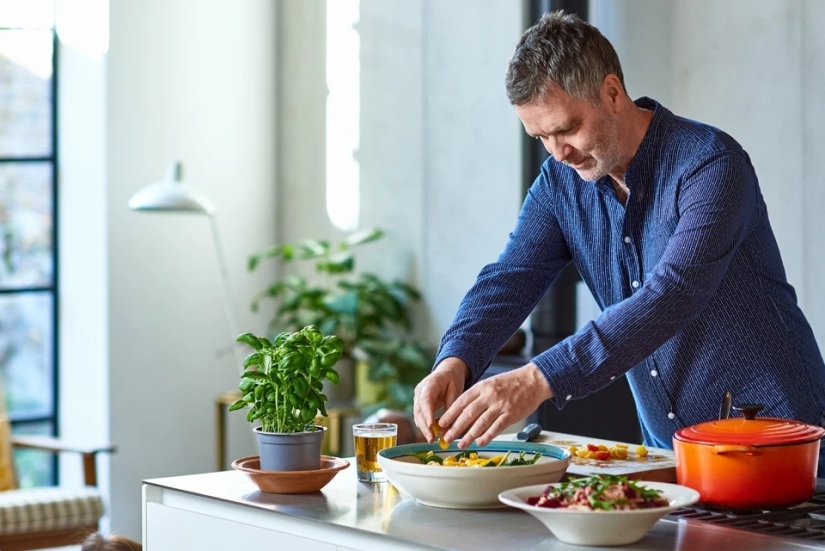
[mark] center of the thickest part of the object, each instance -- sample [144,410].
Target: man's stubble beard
[605,152]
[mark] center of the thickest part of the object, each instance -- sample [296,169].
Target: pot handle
[749,410]
[721,449]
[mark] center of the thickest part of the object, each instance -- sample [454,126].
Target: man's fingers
[451,416]
[424,406]
[478,425]
[453,392]
[440,388]
[421,421]
[498,425]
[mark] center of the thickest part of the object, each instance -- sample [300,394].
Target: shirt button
[653,372]
[634,284]
[569,397]
[627,239]
[671,415]
[613,377]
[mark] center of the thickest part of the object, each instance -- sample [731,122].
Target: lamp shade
[171,195]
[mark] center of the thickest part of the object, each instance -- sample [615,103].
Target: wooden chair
[39,518]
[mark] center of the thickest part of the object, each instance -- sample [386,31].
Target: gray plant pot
[299,451]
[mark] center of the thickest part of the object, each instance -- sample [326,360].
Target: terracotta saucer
[290,482]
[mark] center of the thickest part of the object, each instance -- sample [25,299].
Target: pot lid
[751,431]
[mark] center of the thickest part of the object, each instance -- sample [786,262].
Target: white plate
[600,527]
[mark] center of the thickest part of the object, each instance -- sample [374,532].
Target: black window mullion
[25,421]
[55,262]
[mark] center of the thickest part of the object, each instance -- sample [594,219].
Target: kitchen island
[225,510]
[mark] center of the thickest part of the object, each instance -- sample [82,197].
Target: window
[28,201]
[343,113]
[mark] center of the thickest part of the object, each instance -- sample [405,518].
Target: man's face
[575,132]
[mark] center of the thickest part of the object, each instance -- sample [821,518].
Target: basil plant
[282,380]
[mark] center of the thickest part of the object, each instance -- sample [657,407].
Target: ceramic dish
[470,487]
[290,482]
[601,527]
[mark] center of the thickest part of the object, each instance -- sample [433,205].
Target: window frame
[21,420]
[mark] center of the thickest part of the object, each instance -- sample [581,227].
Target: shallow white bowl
[601,527]
[470,487]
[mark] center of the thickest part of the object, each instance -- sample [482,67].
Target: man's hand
[491,405]
[438,389]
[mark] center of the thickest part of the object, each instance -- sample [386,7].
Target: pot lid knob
[749,410]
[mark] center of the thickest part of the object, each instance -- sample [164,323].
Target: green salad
[472,459]
[599,493]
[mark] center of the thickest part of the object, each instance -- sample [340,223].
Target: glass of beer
[371,438]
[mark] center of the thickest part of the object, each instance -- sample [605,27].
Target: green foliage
[398,362]
[371,315]
[282,380]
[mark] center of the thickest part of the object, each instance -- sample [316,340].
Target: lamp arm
[230,304]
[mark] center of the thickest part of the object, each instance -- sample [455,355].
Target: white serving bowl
[470,487]
[600,527]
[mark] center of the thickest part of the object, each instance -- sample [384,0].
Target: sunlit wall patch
[343,70]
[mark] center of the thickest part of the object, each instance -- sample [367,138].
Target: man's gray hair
[563,50]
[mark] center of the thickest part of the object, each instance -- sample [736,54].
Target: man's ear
[612,92]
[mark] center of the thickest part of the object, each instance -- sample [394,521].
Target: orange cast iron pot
[754,463]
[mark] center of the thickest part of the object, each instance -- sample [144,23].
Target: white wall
[193,80]
[83,319]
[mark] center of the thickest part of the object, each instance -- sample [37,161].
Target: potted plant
[282,386]
[370,314]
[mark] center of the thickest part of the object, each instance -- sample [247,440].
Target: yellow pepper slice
[497,459]
[436,428]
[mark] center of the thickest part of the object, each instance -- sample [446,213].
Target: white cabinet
[174,529]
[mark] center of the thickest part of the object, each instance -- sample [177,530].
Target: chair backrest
[8,476]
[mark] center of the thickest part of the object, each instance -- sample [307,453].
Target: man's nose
[557,148]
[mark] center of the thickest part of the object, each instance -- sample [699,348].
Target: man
[664,219]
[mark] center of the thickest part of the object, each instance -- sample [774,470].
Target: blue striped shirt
[688,275]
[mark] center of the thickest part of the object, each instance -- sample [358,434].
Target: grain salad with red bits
[599,493]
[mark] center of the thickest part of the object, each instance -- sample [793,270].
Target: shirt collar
[638,169]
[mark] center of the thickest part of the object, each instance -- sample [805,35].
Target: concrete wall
[473,147]
[812,117]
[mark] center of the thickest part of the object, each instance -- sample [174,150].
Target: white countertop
[379,510]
